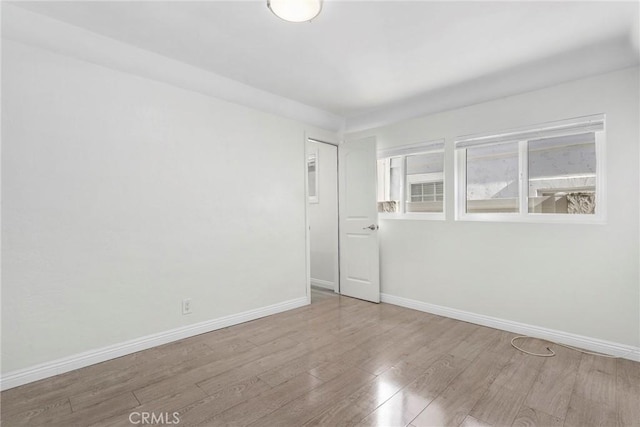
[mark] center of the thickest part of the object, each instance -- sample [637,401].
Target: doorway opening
[322,213]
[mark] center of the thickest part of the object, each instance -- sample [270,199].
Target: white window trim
[460,175]
[435,146]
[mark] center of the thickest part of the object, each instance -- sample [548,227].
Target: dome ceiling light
[295,10]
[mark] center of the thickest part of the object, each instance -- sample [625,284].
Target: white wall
[123,195]
[581,279]
[323,218]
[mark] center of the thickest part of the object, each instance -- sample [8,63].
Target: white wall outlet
[186,306]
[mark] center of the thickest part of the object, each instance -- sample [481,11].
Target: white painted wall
[581,279]
[323,218]
[123,195]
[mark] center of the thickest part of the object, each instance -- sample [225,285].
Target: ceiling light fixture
[295,10]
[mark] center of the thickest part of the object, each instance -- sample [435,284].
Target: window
[425,182]
[492,178]
[547,173]
[389,184]
[411,181]
[426,192]
[562,174]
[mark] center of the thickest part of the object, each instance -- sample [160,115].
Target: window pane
[425,182]
[562,175]
[395,180]
[389,184]
[492,178]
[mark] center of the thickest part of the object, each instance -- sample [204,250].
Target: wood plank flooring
[339,362]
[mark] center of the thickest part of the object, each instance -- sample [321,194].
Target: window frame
[531,133]
[404,151]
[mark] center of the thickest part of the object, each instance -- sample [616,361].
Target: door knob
[372,227]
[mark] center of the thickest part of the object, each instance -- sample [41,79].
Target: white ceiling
[362,57]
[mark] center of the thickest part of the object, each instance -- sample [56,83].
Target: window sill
[427,216]
[534,218]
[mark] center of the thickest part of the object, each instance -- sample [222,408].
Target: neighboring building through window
[552,172]
[426,192]
[411,181]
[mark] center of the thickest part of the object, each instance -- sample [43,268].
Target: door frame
[323,139]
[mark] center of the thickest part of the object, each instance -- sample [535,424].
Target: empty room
[277,213]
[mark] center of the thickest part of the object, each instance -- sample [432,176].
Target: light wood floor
[340,362]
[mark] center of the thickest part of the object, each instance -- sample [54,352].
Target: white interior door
[359,262]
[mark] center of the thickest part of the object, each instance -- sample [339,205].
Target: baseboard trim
[323,284]
[581,341]
[81,360]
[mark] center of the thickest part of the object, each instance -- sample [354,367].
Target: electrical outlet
[186,306]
